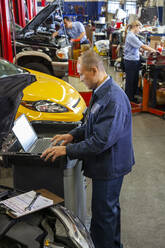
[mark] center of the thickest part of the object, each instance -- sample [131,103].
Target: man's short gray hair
[90,59]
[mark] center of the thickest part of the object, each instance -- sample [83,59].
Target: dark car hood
[11,88]
[40,17]
[11,85]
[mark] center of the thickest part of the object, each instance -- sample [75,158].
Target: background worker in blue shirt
[132,59]
[104,143]
[75,30]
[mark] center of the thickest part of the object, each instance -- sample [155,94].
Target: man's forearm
[81,36]
[148,48]
[55,34]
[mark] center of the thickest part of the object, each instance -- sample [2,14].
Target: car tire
[38,67]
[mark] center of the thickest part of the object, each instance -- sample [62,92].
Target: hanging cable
[67,41]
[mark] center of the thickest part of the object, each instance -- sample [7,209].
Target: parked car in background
[35,48]
[47,99]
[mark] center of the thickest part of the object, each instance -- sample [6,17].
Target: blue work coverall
[104,143]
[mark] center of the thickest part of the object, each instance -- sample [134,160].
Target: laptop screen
[24,132]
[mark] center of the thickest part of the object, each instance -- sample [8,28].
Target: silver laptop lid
[24,132]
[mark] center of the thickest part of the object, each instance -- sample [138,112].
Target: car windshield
[7,68]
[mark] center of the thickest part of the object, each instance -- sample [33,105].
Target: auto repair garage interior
[34,69]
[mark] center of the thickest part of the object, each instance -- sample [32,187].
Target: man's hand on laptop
[53,152]
[57,151]
[65,138]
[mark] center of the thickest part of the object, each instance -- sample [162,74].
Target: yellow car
[47,99]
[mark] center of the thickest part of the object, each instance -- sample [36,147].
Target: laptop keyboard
[41,145]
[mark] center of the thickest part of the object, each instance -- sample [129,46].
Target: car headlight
[74,228]
[44,106]
[62,53]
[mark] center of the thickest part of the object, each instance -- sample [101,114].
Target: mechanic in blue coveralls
[132,59]
[104,143]
[74,30]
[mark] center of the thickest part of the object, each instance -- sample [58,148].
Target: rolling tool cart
[63,177]
[153,85]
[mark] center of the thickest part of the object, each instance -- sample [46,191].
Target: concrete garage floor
[143,192]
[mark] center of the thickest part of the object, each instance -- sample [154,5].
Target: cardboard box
[160,96]
[154,41]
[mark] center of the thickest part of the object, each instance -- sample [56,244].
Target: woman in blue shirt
[132,59]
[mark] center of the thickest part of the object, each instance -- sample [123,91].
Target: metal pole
[19,12]
[30,7]
[34,8]
[5,30]
[15,11]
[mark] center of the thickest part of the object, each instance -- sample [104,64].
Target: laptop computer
[28,138]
